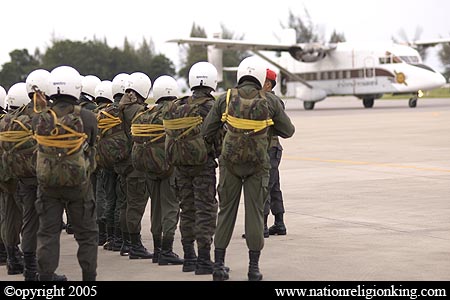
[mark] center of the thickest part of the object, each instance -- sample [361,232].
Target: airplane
[311,72]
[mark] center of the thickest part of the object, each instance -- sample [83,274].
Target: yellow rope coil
[17,136]
[72,140]
[245,124]
[188,122]
[148,130]
[109,122]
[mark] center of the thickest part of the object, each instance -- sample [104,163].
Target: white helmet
[65,80]
[140,83]
[252,66]
[17,95]
[203,74]
[2,97]
[88,84]
[119,83]
[165,86]
[38,79]
[104,89]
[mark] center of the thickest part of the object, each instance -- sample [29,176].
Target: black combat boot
[125,247]
[101,233]
[51,277]
[167,255]
[278,228]
[110,236]
[253,268]
[204,264]
[266,229]
[138,251]
[119,240]
[88,276]
[156,248]
[3,255]
[14,262]
[190,258]
[220,272]
[30,266]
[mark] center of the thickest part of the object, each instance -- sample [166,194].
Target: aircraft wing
[233,44]
[431,43]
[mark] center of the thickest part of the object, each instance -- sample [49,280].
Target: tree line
[98,58]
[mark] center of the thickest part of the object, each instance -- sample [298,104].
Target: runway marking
[351,162]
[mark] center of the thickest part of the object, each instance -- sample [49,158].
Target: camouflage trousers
[81,209]
[254,180]
[136,200]
[196,190]
[164,207]
[10,217]
[275,199]
[100,194]
[27,196]
[115,198]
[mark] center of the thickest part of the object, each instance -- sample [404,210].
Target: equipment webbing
[241,123]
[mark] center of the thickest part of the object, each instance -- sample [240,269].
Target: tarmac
[367,198]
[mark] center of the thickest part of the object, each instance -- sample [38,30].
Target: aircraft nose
[440,80]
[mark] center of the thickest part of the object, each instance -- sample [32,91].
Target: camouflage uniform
[115,199]
[165,207]
[132,183]
[80,206]
[98,185]
[254,178]
[196,190]
[11,219]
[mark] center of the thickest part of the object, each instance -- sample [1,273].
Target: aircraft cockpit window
[390,59]
[410,59]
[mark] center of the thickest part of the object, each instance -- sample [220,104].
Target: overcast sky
[30,24]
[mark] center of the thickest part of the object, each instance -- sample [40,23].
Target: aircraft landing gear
[308,105]
[368,102]
[413,102]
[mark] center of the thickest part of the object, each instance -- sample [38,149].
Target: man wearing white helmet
[20,158]
[195,169]
[251,116]
[87,96]
[103,98]
[12,211]
[132,182]
[66,135]
[148,155]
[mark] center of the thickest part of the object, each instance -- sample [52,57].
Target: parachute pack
[182,123]
[247,119]
[148,153]
[17,143]
[61,157]
[113,144]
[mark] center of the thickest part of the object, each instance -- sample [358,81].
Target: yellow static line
[350,162]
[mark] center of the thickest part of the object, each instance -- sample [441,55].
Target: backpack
[113,144]
[61,158]
[184,144]
[148,152]
[18,144]
[246,139]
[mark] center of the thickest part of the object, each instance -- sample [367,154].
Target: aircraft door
[369,68]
